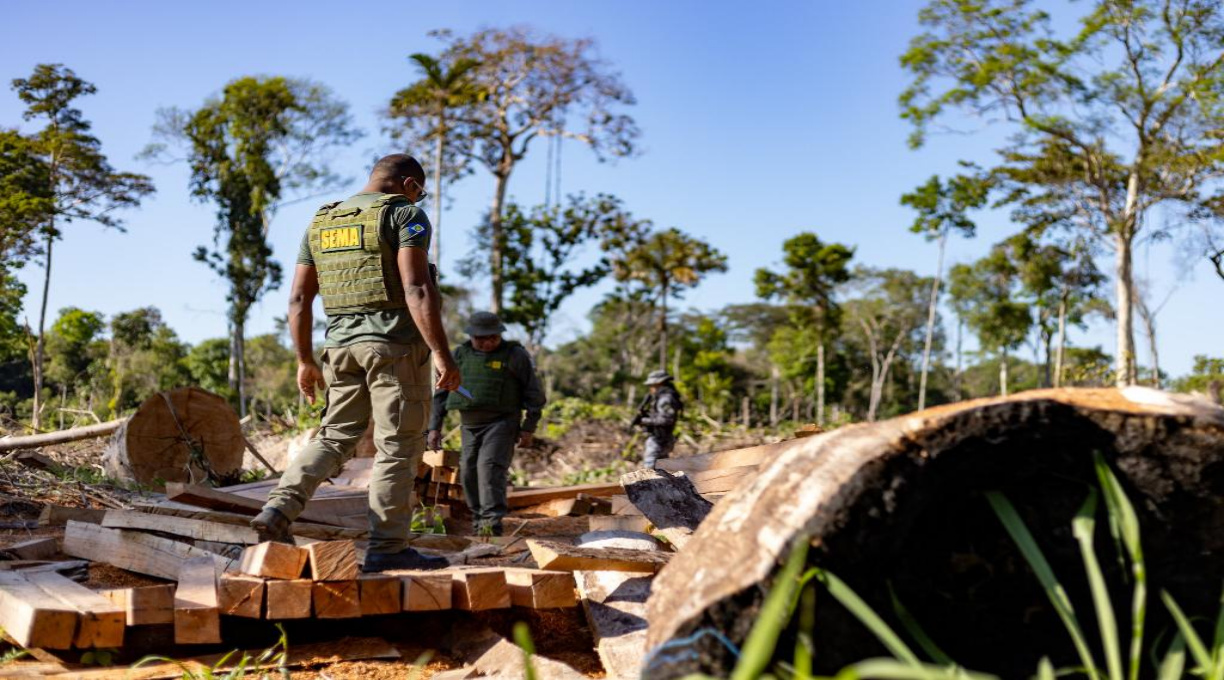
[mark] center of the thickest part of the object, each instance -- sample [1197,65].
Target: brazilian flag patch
[334,239]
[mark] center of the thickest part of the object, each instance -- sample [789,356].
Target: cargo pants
[390,383]
[484,466]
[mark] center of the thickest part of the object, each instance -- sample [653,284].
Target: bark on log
[669,501]
[62,436]
[152,446]
[898,505]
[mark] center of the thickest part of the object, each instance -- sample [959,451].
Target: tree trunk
[495,233]
[1148,316]
[820,384]
[773,397]
[1003,373]
[930,329]
[36,418]
[1125,286]
[795,406]
[237,361]
[960,336]
[1062,340]
[663,327]
[437,221]
[746,412]
[1046,341]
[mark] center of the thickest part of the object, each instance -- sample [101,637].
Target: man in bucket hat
[658,417]
[499,384]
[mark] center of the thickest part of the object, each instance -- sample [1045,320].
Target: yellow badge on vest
[495,365]
[340,238]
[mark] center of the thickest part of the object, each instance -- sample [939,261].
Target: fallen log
[31,441]
[897,507]
[184,435]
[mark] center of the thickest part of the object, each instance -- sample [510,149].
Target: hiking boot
[272,525]
[404,559]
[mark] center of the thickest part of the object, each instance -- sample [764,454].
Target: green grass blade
[804,645]
[915,630]
[1083,527]
[1045,575]
[1193,641]
[867,616]
[758,649]
[1125,521]
[1173,666]
[522,638]
[1045,670]
[892,669]
[1217,644]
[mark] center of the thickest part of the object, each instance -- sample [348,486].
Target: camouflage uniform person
[658,417]
[367,257]
[502,385]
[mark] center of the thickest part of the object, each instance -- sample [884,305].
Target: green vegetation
[231,666]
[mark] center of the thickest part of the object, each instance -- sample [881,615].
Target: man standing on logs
[367,257]
[658,417]
[499,383]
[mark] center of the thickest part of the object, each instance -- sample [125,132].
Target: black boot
[272,525]
[404,559]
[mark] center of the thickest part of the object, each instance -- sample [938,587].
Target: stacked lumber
[438,483]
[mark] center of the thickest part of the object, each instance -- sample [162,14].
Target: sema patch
[340,238]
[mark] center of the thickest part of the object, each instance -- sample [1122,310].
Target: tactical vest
[487,376]
[357,270]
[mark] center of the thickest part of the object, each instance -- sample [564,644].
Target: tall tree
[262,140]
[1111,121]
[545,246]
[987,293]
[83,185]
[443,88]
[889,309]
[814,270]
[25,206]
[942,209]
[666,264]
[528,85]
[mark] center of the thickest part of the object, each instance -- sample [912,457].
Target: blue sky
[759,120]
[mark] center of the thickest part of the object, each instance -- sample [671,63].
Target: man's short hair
[399,165]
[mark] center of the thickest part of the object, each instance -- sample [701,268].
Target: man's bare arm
[301,326]
[425,306]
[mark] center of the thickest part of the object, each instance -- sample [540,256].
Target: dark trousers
[484,467]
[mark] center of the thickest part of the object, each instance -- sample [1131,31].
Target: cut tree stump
[897,506]
[552,555]
[163,440]
[669,501]
[197,614]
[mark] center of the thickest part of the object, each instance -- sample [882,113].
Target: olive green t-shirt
[408,226]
